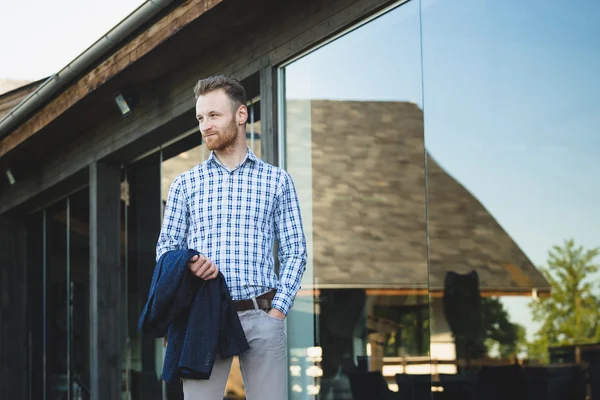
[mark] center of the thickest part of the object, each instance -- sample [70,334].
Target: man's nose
[205,126]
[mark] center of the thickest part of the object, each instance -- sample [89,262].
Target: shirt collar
[213,160]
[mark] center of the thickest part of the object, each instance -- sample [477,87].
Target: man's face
[217,119]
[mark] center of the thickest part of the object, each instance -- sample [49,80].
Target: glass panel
[35,304]
[79,250]
[512,113]
[57,316]
[354,147]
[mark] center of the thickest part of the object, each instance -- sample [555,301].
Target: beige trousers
[263,366]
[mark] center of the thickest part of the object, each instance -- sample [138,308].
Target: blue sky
[527,114]
[511,101]
[523,133]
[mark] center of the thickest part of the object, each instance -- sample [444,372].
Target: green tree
[501,334]
[571,314]
[538,349]
[499,331]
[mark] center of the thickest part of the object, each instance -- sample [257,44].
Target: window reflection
[511,113]
[367,233]
[509,159]
[357,159]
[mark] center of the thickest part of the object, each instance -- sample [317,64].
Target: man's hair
[232,87]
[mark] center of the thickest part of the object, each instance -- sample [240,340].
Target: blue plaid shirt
[233,218]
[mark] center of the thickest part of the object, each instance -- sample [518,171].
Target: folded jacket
[197,315]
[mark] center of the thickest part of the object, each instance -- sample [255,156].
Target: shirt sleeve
[292,245]
[175,224]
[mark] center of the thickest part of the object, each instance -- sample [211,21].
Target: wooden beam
[131,52]
[107,334]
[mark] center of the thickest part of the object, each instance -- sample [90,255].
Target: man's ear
[241,116]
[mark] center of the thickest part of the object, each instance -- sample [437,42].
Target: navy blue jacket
[198,316]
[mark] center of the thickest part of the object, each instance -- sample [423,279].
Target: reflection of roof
[368,203]
[463,235]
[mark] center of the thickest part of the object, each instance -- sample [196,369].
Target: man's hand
[273,312]
[203,268]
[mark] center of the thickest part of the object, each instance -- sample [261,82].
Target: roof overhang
[121,47]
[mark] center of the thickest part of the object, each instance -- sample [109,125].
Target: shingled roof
[368,203]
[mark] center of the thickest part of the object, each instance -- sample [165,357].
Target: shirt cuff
[282,302]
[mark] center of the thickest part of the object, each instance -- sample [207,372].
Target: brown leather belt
[263,301]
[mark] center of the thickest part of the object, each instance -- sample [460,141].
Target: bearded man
[231,209]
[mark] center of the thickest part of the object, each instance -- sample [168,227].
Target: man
[230,209]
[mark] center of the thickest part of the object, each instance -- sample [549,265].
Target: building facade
[445,157]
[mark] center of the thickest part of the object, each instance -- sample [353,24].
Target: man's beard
[222,139]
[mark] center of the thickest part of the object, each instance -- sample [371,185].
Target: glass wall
[512,109]
[58,287]
[445,155]
[353,134]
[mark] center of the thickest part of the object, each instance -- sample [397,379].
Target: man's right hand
[203,268]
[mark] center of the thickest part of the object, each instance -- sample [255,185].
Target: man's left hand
[273,312]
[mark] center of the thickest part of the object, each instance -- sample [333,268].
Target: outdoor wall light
[11,177]
[122,104]
[126,100]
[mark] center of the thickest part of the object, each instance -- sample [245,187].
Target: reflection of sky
[511,101]
[361,67]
